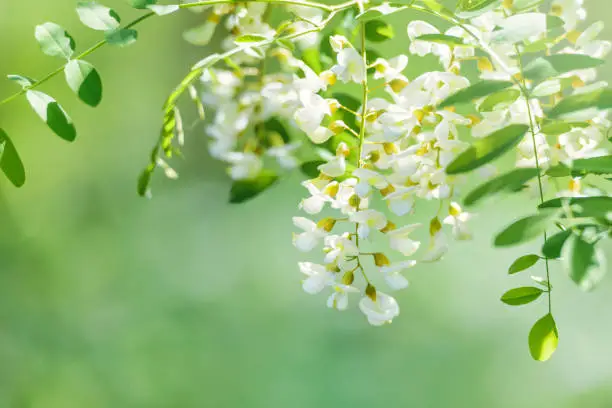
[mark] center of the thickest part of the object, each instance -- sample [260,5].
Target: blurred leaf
[201,34]
[522,263]
[521,296]
[487,149]
[21,80]
[441,39]
[584,262]
[593,206]
[250,38]
[276,126]
[121,37]
[525,229]
[144,180]
[244,190]
[163,10]
[378,31]
[543,338]
[499,99]
[378,11]
[52,114]
[97,16]
[555,128]
[475,91]
[311,168]
[10,162]
[54,40]
[511,181]
[594,165]
[551,66]
[85,81]
[601,99]
[521,5]
[141,4]
[553,246]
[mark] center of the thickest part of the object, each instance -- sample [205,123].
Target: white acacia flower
[401,201]
[318,277]
[571,12]
[367,179]
[339,299]
[390,69]
[338,247]
[284,155]
[350,66]
[338,42]
[346,190]
[319,195]
[458,219]
[399,239]
[393,276]
[381,311]
[309,239]
[368,220]
[417,29]
[243,165]
[336,166]
[438,247]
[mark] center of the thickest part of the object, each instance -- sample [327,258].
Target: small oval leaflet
[244,190]
[122,37]
[521,296]
[478,90]
[584,262]
[85,81]
[543,338]
[509,182]
[52,114]
[525,229]
[54,40]
[553,246]
[485,150]
[523,263]
[97,16]
[10,162]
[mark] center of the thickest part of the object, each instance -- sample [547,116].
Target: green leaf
[97,16]
[594,165]
[556,128]
[498,100]
[555,65]
[244,190]
[487,149]
[378,31]
[441,39]
[594,206]
[476,91]
[522,263]
[21,80]
[584,262]
[553,246]
[600,99]
[121,37]
[525,229]
[508,182]
[250,38]
[521,296]
[273,125]
[141,4]
[10,163]
[521,5]
[311,168]
[144,180]
[543,338]
[163,10]
[54,40]
[85,81]
[52,114]
[473,8]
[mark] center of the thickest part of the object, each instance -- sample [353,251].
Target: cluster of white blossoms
[407,143]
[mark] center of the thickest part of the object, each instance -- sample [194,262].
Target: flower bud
[435,226]
[397,85]
[454,209]
[328,77]
[387,190]
[348,278]
[381,259]
[389,227]
[371,292]
[326,224]
[337,127]
[390,148]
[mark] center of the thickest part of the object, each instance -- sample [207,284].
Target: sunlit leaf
[543,338]
[525,229]
[600,99]
[163,10]
[200,35]
[441,39]
[378,11]
[54,40]
[475,91]
[551,66]
[10,162]
[52,114]
[378,31]
[523,263]
[584,262]
[512,181]
[244,190]
[23,81]
[499,100]
[121,37]
[85,81]
[487,149]
[141,4]
[97,16]
[594,206]
[473,8]
[521,296]
[250,38]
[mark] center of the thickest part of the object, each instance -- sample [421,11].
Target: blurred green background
[109,300]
